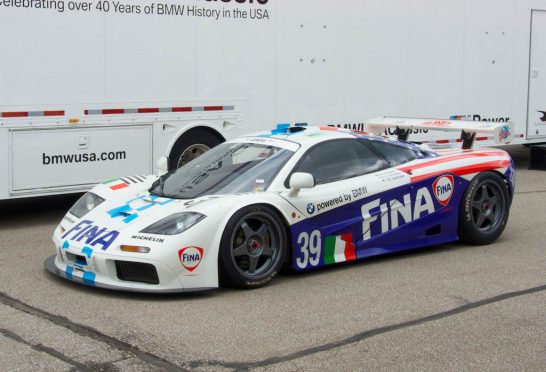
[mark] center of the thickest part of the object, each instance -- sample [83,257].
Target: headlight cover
[174,224]
[85,204]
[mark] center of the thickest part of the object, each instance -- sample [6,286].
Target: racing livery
[300,196]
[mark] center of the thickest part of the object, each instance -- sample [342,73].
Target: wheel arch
[284,217]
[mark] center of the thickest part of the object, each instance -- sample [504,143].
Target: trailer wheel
[191,145]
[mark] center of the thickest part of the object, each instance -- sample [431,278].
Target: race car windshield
[229,168]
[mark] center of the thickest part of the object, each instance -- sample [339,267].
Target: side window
[341,159]
[394,154]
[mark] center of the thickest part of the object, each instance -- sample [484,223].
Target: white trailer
[96,89]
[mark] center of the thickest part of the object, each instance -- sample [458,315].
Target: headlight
[174,224]
[85,204]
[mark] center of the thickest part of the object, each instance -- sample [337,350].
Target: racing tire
[484,209]
[252,248]
[191,145]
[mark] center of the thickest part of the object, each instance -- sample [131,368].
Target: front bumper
[56,266]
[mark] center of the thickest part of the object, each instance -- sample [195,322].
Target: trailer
[91,90]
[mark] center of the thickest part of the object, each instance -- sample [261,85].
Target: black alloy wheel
[484,209]
[253,247]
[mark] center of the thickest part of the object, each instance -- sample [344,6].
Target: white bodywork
[269,61]
[102,248]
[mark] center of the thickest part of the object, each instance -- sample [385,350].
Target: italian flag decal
[115,184]
[339,249]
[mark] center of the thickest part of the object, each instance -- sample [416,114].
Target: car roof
[308,136]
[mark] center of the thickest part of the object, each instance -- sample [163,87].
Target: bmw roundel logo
[310,208]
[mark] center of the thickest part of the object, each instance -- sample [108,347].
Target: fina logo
[310,208]
[443,189]
[190,257]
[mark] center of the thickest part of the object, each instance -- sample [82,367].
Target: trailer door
[536,119]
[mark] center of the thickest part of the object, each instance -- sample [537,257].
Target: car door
[341,209]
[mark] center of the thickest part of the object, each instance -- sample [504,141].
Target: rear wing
[501,131]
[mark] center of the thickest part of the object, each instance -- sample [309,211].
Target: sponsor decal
[115,184]
[339,248]
[395,212]
[329,203]
[394,131]
[148,238]
[190,257]
[389,175]
[310,208]
[361,127]
[90,234]
[477,117]
[543,118]
[54,159]
[131,209]
[443,189]
[437,123]
[504,133]
[352,126]
[360,191]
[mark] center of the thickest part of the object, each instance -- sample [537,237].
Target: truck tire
[484,209]
[253,248]
[191,145]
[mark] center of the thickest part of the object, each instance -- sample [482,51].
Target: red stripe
[448,158]
[350,248]
[53,113]
[20,114]
[113,111]
[119,186]
[482,138]
[147,110]
[181,109]
[442,141]
[213,108]
[86,112]
[327,128]
[466,170]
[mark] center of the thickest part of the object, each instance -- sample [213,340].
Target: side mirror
[301,180]
[162,165]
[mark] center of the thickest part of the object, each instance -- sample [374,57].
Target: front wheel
[484,209]
[253,248]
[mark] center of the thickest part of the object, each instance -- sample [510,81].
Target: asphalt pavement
[451,307]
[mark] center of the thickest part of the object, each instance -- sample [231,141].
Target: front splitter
[50,266]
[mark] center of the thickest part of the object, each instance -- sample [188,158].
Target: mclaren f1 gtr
[297,196]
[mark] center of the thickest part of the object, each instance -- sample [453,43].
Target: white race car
[297,196]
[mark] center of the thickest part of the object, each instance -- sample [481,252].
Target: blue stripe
[89,278]
[69,270]
[65,245]
[87,251]
[117,212]
[130,218]
[137,198]
[145,207]
[167,201]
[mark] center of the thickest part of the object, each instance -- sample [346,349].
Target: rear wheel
[484,209]
[253,248]
[191,145]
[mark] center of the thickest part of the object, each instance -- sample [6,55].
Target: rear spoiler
[501,131]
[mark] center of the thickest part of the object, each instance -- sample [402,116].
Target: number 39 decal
[310,246]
